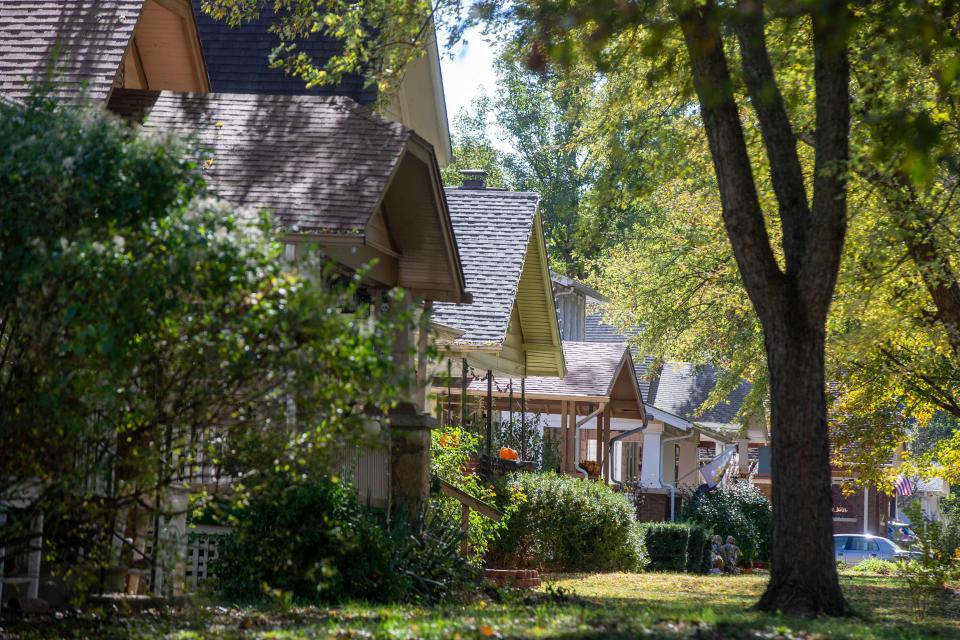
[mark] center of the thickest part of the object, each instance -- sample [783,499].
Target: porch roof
[596,373]
[89,37]
[324,166]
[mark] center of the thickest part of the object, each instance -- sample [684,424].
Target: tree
[151,336]
[791,300]
[790,283]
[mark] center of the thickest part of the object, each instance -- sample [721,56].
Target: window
[839,542]
[863,544]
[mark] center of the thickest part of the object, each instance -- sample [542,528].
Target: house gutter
[673,487]
[576,435]
[617,439]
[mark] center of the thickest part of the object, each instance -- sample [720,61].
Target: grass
[647,605]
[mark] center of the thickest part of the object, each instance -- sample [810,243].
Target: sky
[467,73]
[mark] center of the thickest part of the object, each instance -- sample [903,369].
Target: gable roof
[88,36]
[237,59]
[592,368]
[321,164]
[682,387]
[679,388]
[594,372]
[493,228]
[503,252]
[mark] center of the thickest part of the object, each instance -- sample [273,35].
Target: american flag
[902,486]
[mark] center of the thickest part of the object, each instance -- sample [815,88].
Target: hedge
[677,547]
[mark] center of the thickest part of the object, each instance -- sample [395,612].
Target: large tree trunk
[803,577]
[791,303]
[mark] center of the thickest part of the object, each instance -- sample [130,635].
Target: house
[339,177]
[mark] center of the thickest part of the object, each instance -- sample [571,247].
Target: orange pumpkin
[506,453]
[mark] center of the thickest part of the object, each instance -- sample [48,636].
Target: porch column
[743,456]
[688,463]
[866,510]
[423,344]
[600,431]
[650,474]
[563,436]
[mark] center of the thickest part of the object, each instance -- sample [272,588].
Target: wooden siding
[537,310]
[414,219]
[165,51]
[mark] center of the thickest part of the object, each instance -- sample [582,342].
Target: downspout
[617,439]
[673,487]
[576,438]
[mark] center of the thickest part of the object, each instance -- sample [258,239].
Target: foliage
[568,524]
[531,437]
[676,546]
[876,566]
[151,336]
[315,543]
[452,449]
[378,39]
[741,511]
[937,565]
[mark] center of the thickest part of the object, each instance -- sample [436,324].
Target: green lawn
[570,606]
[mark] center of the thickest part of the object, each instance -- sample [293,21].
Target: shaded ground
[645,605]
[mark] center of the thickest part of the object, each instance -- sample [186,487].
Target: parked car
[853,549]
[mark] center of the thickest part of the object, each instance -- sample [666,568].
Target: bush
[741,511]
[451,450]
[939,560]
[563,523]
[875,566]
[677,547]
[666,545]
[316,544]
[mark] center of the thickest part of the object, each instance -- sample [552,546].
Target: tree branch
[778,136]
[742,213]
[818,273]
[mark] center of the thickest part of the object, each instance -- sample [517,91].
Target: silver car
[853,549]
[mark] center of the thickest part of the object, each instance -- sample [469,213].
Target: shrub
[875,566]
[315,543]
[939,560]
[666,544]
[741,511]
[677,546]
[563,523]
[698,550]
[451,450]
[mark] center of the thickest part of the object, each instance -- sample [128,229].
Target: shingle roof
[237,62]
[89,36]
[681,387]
[591,367]
[492,227]
[321,164]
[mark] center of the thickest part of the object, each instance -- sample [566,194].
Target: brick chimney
[474,179]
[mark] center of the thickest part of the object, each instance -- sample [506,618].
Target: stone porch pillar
[409,461]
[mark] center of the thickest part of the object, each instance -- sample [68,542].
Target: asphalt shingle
[680,387]
[320,164]
[591,367]
[87,38]
[237,59]
[492,227]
